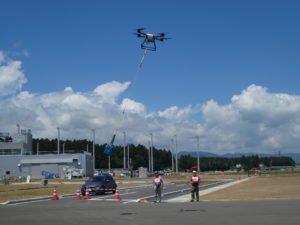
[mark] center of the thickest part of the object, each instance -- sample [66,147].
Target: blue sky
[218,49]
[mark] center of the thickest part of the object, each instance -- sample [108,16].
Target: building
[16,144]
[16,159]
[37,165]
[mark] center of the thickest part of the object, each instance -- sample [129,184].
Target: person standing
[157,186]
[195,180]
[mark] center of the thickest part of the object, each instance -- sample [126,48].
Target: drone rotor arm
[139,30]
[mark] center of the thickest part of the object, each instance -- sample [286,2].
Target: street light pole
[128,157]
[152,167]
[172,148]
[198,153]
[176,151]
[124,148]
[94,158]
[149,157]
[58,139]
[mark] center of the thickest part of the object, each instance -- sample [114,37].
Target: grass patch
[274,186]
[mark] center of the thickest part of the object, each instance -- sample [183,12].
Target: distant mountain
[294,156]
[201,154]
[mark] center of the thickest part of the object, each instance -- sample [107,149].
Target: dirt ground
[260,188]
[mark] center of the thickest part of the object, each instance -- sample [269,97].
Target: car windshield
[96,179]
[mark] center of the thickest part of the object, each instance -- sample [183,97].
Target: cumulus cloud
[256,120]
[111,90]
[11,76]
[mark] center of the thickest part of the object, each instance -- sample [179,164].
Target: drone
[149,39]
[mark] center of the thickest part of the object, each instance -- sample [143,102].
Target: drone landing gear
[148,45]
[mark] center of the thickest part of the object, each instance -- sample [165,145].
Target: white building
[16,144]
[16,158]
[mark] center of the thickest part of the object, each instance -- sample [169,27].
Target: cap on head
[156,172]
[194,171]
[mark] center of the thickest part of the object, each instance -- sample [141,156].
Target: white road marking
[109,196]
[187,197]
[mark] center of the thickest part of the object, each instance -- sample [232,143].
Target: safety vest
[157,180]
[195,180]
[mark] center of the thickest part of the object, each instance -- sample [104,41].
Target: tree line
[139,157]
[245,162]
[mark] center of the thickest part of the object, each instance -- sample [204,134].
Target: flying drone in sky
[149,39]
[147,44]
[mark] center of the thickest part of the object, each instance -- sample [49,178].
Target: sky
[229,75]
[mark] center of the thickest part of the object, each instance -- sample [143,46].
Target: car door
[109,182]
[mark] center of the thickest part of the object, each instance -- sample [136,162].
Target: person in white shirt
[195,180]
[157,186]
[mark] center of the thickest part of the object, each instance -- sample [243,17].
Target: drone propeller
[139,30]
[139,34]
[162,39]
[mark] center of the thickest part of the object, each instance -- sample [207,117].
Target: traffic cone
[87,195]
[117,196]
[54,196]
[78,194]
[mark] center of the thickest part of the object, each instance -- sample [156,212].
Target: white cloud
[110,91]
[129,105]
[11,76]
[255,120]
[176,113]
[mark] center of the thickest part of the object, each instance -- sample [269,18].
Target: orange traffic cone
[54,196]
[87,195]
[78,194]
[117,196]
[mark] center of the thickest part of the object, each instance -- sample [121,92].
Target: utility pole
[128,157]
[94,158]
[37,148]
[124,150]
[152,168]
[172,148]
[58,139]
[149,156]
[198,153]
[176,151]
[64,148]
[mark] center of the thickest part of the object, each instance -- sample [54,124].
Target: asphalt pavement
[130,210]
[71,211]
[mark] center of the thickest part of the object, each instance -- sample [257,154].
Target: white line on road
[109,196]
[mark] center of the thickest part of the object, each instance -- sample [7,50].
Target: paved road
[171,190]
[134,194]
[73,212]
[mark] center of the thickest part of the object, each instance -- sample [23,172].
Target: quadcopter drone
[149,39]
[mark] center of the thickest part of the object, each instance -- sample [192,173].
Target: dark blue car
[99,184]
